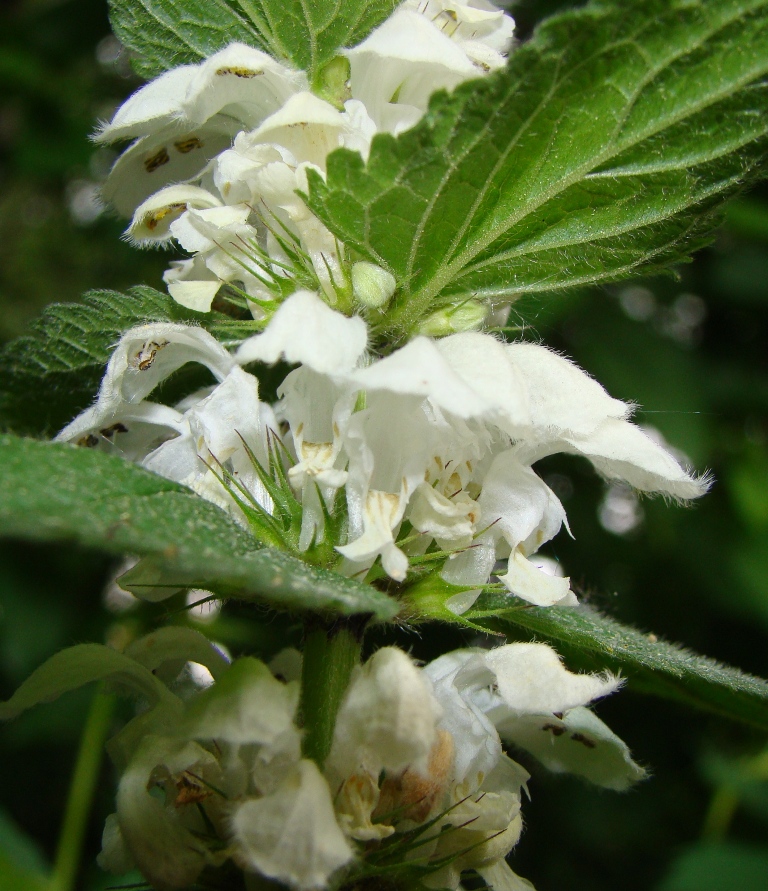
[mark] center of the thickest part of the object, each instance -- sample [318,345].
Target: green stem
[81,791]
[331,652]
[721,811]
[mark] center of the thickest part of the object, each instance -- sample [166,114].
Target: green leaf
[725,866]
[607,145]
[79,665]
[304,33]
[54,372]
[587,639]
[52,491]
[22,865]
[176,644]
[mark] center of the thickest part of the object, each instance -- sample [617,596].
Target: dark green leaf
[607,145]
[54,372]
[51,491]
[306,34]
[725,866]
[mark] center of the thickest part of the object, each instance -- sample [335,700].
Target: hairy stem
[331,652]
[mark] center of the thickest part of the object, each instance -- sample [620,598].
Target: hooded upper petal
[291,834]
[306,330]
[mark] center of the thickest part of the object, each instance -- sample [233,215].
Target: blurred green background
[691,351]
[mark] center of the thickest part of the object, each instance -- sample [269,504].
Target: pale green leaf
[79,665]
[607,146]
[303,33]
[22,865]
[52,491]
[52,373]
[176,643]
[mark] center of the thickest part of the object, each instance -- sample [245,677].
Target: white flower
[415,745]
[525,693]
[425,46]
[225,780]
[250,204]
[291,834]
[241,129]
[185,117]
[387,720]
[190,442]
[444,435]
[481,29]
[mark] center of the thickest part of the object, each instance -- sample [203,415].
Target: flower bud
[468,316]
[333,82]
[372,285]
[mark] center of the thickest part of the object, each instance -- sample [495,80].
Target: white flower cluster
[433,445]
[221,149]
[416,764]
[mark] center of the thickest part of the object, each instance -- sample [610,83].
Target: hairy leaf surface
[51,491]
[303,33]
[607,145]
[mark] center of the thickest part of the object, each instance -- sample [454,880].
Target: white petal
[484,363]
[620,450]
[482,30]
[153,106]
[292,835]
[476,742]
[382,513]
[194,295]
[129,430]
[242,82]
[529,583]
[562,398]
[306,330]
[114,856]
[172,155]
[212,227]
[521,507]
[499,877]
[450,521]
[307,126]
[406,56]
[579,743]
[387,720]
[148,354]
[246,705]
[236,171]
[420,369]
[470,567]
[152,219]
[531,679]
[166,852]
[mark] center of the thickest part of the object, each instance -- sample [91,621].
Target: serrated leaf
[52,373]
[589,640]
[607,145]
[306,34]
[52,491]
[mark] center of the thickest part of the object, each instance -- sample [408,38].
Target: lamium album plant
[328,410]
